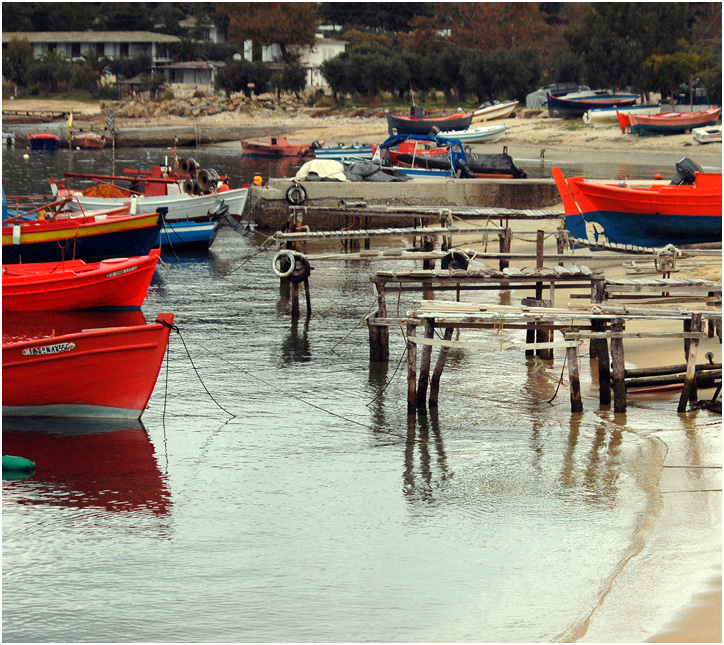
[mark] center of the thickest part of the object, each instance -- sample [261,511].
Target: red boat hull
[101,373]
[63,286]
[276,147]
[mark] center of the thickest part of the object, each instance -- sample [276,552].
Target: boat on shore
[496,110]
[712,134]
[43,141]
[75,284]
[88,141]
[574,106]
[485,134]
[418,124]
[278,147]
[604,116]
[669,122]
[344,152]
[686,211]
[100,373]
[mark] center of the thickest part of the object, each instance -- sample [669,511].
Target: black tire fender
[296,194]
[455,260]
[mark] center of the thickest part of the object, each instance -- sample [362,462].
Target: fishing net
[104,190]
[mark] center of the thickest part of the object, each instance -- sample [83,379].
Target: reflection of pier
[83,463]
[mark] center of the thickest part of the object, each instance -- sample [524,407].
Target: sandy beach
[696,617]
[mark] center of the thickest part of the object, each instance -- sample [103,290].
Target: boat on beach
[669,122]
[43,141]
[102,373]
[574,106]
[418,124]
[711,134]
[496,110]
[686,211]
[88,141]
[278,147]
[75,284]
[604,116]
[344,152]
[485,134]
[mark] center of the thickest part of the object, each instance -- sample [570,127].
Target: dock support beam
[411,371]
[618,366]
[574,379]
[689,392]
[437,373]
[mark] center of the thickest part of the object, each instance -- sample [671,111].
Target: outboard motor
[686,170]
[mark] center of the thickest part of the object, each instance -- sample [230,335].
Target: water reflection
[83,463]
[296,347]
[426,468]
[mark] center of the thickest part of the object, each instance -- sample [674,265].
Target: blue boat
[343,152]
[574,106]
[43,141]
[189,234]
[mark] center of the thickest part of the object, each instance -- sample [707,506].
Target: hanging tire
[296,195]
[455,260]
[301,269]
[283,263]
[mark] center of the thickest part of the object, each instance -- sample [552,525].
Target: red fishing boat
[74,284]
[278,147]
[687,211]
[88,140]
[103,373]
[43,141]
[418,124]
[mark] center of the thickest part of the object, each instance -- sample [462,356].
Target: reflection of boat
[74,284]
[102,373]
[88,141]
[84,463]
[278,147]
[687,211]
[43,141]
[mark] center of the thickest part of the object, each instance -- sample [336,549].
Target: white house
[111,44]
[310,57]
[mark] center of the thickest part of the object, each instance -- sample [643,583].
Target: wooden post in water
[618,366]
[437,372]
[295,300]
[411,370]
[425,360]
[574,379]
[689,392]
[542,335]
[307,296]
[379,336]
[560,243]
[599,346]
[428,245]
[505,240]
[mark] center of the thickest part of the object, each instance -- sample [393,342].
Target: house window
[123,51]
[101,49]
[51,47]
[75,50]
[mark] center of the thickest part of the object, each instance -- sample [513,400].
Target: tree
[281,23]
[16,62]
[237,75]
[393,16]
[294,79]
[130,67]
[50,71]
[97,63]
[126,16]
[84,77]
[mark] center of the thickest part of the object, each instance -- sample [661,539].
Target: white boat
[486,134]
[343,152]
[601,116]
[712,134]
[495,111]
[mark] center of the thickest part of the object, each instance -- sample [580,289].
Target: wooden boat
[417,124]
[278,147]
[88,140]
[497,110]
[671,122]
[188,196]
[344,152]
[94,236]
[102,373]
[43,141]
[74,284]
[711,134]
[687,211]
[604,116]
[574,106]
[488,134]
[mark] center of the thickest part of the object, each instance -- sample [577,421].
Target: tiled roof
[90,37]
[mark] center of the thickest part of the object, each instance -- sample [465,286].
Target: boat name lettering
[121,272]
[49,349]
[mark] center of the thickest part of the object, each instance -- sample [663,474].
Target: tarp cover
[371,171]
[537,99]
[321,170]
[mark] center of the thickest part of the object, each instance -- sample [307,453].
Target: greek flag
[110,121]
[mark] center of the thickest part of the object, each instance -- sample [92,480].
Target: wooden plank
[437,342]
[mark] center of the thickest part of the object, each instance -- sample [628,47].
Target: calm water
[278,492]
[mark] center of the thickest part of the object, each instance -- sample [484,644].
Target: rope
[560,380]
[357,324]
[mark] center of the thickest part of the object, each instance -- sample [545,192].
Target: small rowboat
[574,106]
[62,286]
[489,134]
[494,111]
[670,122]
[426,125]
[604,116]
[707,135]
[278,147]
[101,373]
[43,141]
[88,140]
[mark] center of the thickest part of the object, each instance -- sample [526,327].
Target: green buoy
[17,467]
